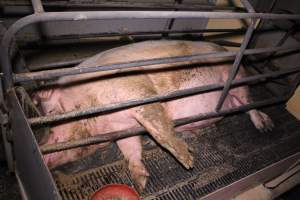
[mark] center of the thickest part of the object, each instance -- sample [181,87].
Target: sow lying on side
[102,88]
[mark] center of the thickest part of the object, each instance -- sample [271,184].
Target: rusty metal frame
[17,116]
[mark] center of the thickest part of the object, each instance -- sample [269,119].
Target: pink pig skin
[103,88]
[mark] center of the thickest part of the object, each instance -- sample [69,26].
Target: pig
[108,87]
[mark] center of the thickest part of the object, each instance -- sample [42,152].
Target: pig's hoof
[182,153]
[139,174]
[261,121]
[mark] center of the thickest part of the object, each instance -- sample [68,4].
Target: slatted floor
[224,153]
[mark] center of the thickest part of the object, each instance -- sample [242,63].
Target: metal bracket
[294,169]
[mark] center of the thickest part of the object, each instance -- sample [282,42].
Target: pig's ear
[42,95]
[157,122]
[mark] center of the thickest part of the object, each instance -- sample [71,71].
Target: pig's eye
[51,111]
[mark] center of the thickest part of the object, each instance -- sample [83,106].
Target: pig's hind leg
[240,96]
[130,147]
[132,150]
[157,122]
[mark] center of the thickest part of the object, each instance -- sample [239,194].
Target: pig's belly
[195,105]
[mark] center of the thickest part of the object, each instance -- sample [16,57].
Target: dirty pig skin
[103,88]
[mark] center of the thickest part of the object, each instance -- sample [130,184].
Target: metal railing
[11,78]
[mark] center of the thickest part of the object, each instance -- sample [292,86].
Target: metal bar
[239,56]
[61,146]
[124,33]
[143,33]
[122,5]
[225,43]
[156,98]
[90,15]
[248,6]
[27,155]
[37,6]
[268,59]
[60,64]
[50,74]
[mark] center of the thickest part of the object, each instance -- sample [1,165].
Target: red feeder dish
[115,192]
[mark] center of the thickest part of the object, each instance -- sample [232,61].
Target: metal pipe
[60,64]
[235,67]
[50,74]
[122,5]
[74,37]
[61,146]
[248,6]
[137,33]
[172,95]
[239,56]
[37,6]
[90,15]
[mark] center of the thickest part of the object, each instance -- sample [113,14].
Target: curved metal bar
[172,95]
[90,15]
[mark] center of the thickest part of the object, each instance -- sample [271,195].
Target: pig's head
[48,100]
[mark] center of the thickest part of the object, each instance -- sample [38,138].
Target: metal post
[37,6]
[239,56]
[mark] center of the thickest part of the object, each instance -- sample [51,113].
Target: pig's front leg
[132,150]
[240,96]
[261,120]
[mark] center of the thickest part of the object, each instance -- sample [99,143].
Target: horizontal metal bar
[93,15]
[159,32]
[122,5]
[59,64]
[50,74]
[141,35]
[226,43]
[172,95]
[90,15]
[61,146]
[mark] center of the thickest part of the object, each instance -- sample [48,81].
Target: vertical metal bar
[239,56]
[37,6]
[248,6]
[170,22]
[8,150]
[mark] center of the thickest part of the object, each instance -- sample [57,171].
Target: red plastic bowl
[115,192]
